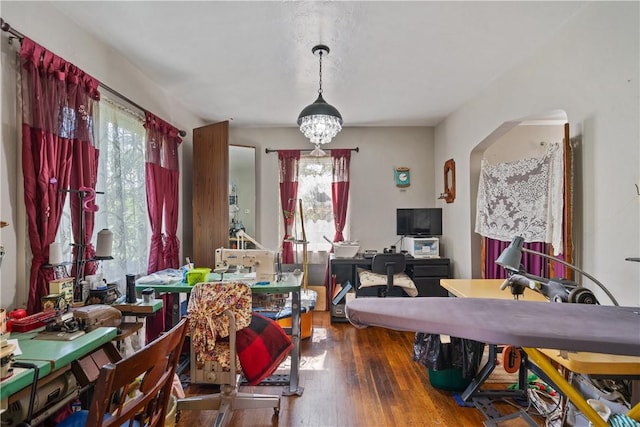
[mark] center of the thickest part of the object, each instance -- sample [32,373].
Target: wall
[374,196]
[523,142]
[590,69]
[45,25]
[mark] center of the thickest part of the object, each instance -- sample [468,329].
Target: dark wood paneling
[210,192]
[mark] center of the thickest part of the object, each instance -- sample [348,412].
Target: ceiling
[391,63]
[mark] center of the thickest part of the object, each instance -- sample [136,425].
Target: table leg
[294,388]
[473,389]
[175,312]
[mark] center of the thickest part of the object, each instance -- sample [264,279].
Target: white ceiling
[391,63]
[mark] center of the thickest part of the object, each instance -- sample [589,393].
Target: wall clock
[402,176]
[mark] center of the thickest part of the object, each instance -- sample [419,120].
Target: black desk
[425,273]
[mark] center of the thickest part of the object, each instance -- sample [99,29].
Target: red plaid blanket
[261,347]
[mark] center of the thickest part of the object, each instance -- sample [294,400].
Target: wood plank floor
[354,377]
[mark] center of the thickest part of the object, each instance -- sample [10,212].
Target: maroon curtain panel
[532,263]
[288,161]
[340,160]
[58,102]
[162,176]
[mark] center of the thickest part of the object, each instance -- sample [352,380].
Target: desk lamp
[511,258]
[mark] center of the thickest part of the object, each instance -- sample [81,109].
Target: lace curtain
[523,198]
[121,175]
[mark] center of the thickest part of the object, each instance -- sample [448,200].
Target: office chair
[389,264]
[135,390]
[217,311]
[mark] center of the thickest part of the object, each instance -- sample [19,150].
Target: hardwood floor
[353,377]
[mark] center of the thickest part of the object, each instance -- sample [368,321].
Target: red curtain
[288,161]
[162,175]
[340,160]
[58,102]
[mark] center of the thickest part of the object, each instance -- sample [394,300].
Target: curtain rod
[269,150]
[181,132]
[4,26]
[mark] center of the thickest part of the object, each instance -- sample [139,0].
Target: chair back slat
[153,367]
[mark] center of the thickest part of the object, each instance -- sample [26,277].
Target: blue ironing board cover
[564,326]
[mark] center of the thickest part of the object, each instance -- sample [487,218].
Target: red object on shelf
[32,322]
[18,313]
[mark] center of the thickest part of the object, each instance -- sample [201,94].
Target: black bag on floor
[460,353]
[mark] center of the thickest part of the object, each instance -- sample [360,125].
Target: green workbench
[50,356]
[290,283]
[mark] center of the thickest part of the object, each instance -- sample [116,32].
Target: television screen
[419,222]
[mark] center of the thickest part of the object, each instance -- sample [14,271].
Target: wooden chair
[135,391]
[219,310]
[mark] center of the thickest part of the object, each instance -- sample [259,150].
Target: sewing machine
[261,260]
[556,290]
[6,357]
[94,316]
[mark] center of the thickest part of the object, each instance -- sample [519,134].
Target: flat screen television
[419,222]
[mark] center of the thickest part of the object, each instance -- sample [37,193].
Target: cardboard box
[63,287]
[306,324]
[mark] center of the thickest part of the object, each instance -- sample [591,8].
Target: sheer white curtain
[314,189]
[121,176]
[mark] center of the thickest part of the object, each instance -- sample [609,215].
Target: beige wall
[374,195]
[591,71]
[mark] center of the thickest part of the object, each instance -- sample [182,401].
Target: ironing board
[527,324]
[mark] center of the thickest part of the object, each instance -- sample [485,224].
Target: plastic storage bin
[197,275]
[449,379]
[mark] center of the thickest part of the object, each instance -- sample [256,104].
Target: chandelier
[320,121]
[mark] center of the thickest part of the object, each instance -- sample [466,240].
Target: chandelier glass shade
[320,121]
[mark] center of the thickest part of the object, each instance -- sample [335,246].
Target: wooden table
[485,288]
[139,308]
[607,365]
[290,283]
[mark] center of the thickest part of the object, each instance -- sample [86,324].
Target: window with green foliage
[314,189]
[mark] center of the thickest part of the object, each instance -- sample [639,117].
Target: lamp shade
[320,121]
[511,257]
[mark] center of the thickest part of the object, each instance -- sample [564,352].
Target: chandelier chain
[320,88]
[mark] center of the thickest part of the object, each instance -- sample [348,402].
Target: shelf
[127,329]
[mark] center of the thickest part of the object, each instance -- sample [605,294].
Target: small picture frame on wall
[402,176]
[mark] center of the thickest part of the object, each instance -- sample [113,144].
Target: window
[123,204]
[121,175]
[314,189]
